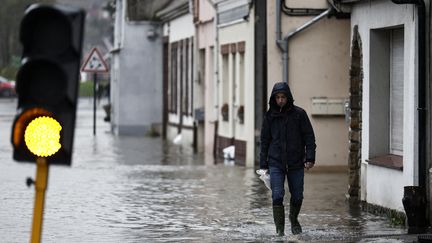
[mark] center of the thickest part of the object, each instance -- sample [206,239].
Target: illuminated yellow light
[42,136]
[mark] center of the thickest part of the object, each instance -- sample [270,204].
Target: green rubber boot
[279,219]
[295,225]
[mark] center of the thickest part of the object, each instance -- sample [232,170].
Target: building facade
[235,90]
[204,19]
[179,72]
[136,74]
[385,63]
[206,68]
[308,47]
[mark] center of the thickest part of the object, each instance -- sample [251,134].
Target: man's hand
[308,165]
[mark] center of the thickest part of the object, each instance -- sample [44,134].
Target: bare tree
[11,13]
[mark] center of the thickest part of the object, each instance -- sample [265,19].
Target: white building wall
[238,32]
[140,80]
[211,108]
[181,28]
[178,29]
[384,186]
[115,65]
[137,76]
[206,41]
[206,11]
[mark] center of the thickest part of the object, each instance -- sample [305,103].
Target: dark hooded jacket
[287,136]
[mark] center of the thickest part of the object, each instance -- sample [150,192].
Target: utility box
[199,114]
[319,106]
[336,106]
[323,106]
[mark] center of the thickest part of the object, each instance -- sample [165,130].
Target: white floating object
[228,152]
[177,139]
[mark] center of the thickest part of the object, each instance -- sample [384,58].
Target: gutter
[173,11]
[283,44]
[421,106]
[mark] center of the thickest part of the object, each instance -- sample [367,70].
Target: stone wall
[356,79]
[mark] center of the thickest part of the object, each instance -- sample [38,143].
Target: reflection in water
[135,189]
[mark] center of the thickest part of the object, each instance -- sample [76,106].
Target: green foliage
[396,218]
[9,72]
[11,13]
[86,89]
[15,61]
[152,132]
[397,221]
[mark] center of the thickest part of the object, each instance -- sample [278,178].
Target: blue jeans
[295,185]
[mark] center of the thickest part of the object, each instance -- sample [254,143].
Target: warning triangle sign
[94,62]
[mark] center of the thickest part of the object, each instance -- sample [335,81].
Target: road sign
[94,62]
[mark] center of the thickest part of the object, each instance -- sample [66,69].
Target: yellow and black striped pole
[40,188]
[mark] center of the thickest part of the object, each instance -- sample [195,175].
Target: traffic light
[47,83]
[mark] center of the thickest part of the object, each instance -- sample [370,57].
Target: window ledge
[390,161]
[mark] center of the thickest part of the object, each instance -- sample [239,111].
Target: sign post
[94,64]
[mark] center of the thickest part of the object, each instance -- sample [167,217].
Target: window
[185,87]
[173,80]
[225,78]
[241,78]
[191,76]
[234,76]
[386,97]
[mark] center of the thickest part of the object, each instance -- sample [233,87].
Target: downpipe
[414,199]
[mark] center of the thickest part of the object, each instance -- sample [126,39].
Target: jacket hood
[281,87]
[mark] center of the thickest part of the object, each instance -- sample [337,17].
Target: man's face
[281,99]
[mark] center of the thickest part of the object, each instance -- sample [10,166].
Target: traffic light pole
[40,187]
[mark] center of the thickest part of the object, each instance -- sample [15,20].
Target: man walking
[287,147]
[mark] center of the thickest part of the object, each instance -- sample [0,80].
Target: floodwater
[141,189]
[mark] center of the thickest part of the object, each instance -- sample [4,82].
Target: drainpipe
[421,87]
[283,44]
[421,25]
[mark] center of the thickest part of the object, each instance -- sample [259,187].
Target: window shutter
[396,91]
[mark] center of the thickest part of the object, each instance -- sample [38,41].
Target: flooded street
[141,189]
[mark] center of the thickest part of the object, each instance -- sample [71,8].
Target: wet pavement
[142,189]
